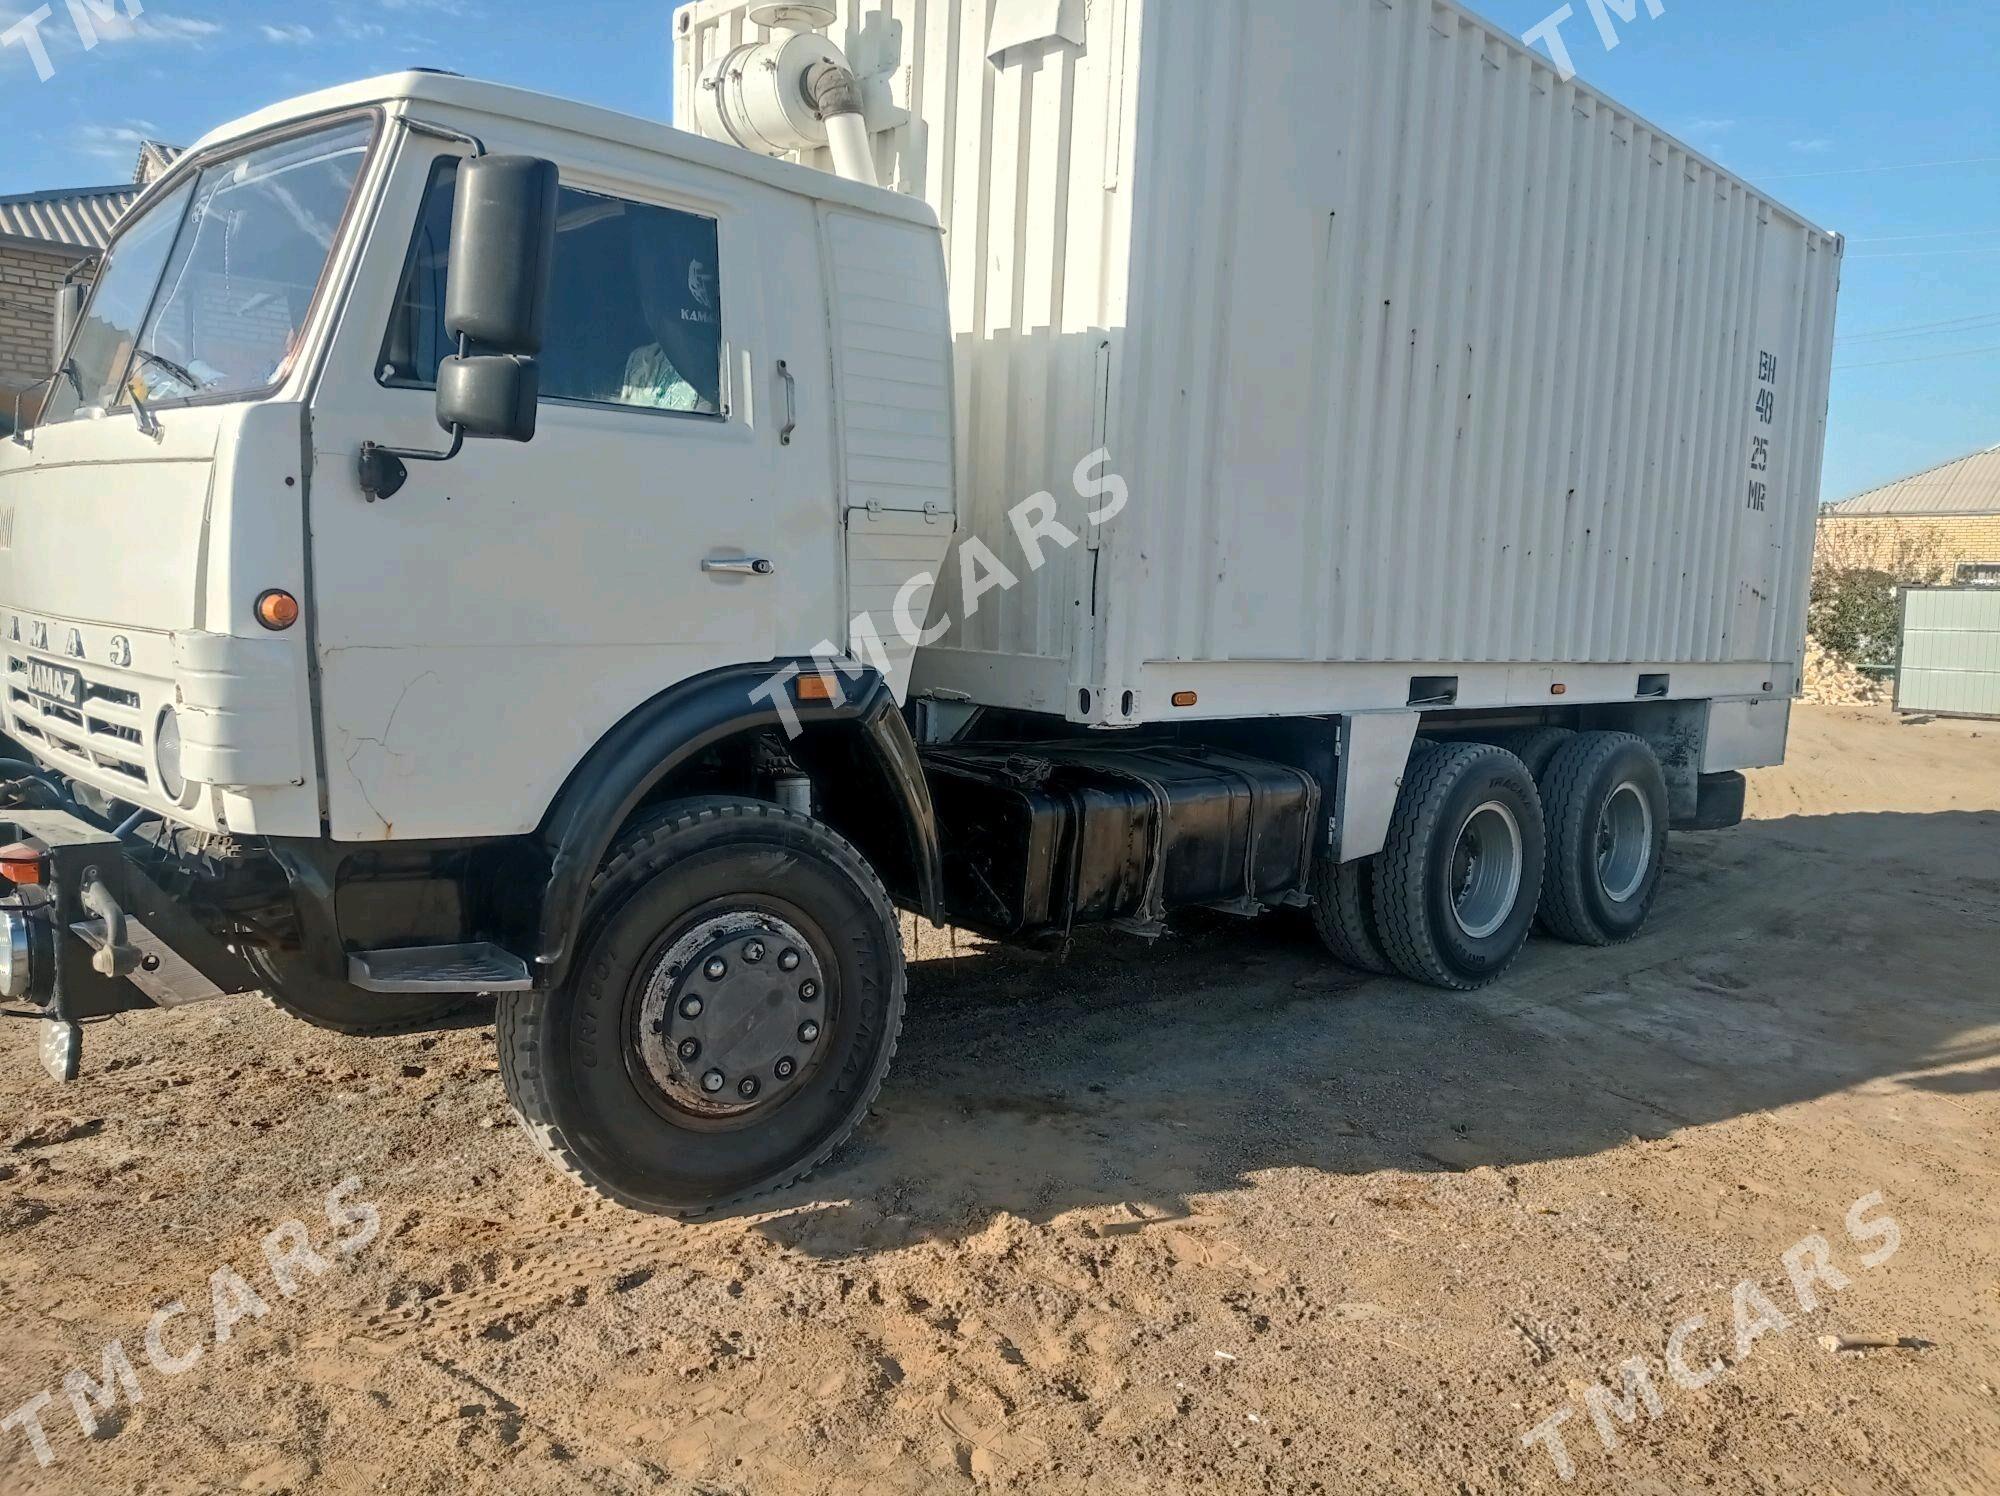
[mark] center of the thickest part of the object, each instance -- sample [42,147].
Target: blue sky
[1842,109]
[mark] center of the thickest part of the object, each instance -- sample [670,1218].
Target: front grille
[108,733]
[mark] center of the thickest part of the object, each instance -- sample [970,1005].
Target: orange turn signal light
[23,866]
[1558,690]
[817,688]
[1186,698]
[277,610]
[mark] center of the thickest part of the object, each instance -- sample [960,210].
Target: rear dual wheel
[1456,886]
[1451,898]
[731,1014]
[1607,830]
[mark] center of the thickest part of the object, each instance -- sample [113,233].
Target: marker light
[22,865]
[277,610]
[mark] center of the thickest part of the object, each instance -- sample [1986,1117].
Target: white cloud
[154,27]
[1817,146]
[287,36]
[60,32]
[115,142]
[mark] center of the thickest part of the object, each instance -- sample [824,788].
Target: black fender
[641,751]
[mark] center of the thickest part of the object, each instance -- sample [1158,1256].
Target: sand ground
[1207,1216]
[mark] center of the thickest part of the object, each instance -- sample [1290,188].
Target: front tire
[1608,818]
[731,1014]
[1457,885]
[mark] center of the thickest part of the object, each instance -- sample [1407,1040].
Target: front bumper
[90,934]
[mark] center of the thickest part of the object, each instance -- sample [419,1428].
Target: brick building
[1946,519]
[46,237]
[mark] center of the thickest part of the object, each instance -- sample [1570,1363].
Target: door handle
[791,403]
[746,566]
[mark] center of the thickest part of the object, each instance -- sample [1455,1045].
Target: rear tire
[1607,819]
[1343,914]
[1457,885]
[731,1014]
[1536,747]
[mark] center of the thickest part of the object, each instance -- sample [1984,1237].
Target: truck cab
[363,735]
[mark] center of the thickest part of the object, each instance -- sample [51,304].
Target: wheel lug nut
[691,1008]
[712,1082]
[808,1032]
[754,951]
[716,969]
[789,961]
[748,1089]
[690,1050]
[786,1069]
[808,991]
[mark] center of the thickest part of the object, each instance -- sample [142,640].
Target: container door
[481,630]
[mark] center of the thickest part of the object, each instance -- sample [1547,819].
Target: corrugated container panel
[1408,350]
[1020,161]
[1951,652]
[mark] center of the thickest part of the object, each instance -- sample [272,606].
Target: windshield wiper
[149,424]
[185,376]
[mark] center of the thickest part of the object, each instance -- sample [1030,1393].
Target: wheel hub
[1624,843]
[1486,870]
[733,1017]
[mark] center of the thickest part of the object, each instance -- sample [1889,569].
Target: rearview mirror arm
[20,437]
[384,470]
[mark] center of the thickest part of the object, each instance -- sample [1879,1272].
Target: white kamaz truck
[1032,464]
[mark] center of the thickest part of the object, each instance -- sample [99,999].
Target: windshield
[205,296]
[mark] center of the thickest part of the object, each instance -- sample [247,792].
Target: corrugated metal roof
[70,218]
[156,159]
[1970,485]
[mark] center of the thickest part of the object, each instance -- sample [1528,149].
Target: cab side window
[635,314]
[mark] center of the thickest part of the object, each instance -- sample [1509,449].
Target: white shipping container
[1417,359]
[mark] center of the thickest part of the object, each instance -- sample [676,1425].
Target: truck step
[440,968]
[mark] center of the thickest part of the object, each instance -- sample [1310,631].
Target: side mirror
[496,303]
[69,311]
[490,395]
[503,250]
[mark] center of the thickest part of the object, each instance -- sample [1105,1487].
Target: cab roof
[454,98]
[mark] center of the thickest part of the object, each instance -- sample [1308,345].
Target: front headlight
[167,754]
[16,955]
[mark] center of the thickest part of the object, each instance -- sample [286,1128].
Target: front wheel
[732,1011]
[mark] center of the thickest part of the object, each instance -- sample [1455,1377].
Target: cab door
[478,632]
